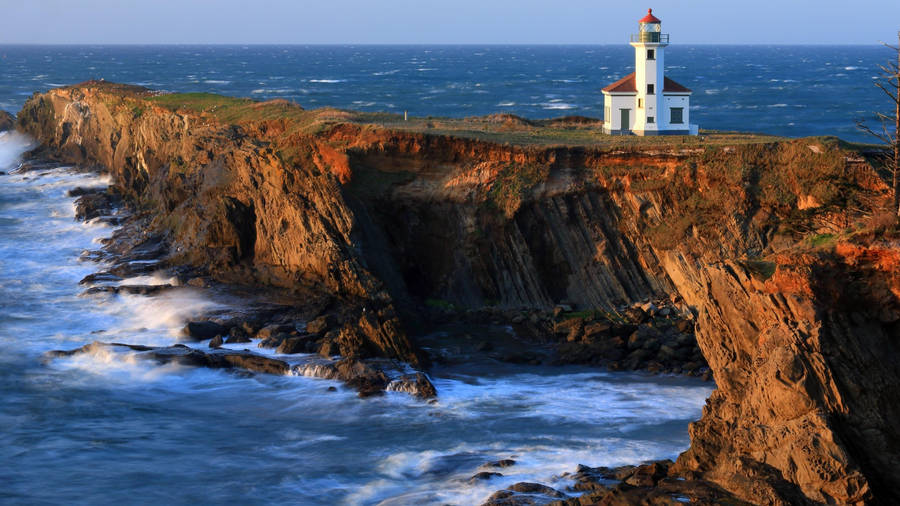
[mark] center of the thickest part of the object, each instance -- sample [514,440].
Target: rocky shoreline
[774,255]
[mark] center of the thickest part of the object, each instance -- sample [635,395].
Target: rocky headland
[770,260]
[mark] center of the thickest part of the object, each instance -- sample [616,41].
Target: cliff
[7,121]
[777,245]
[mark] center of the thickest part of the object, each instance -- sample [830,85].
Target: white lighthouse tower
[646,102]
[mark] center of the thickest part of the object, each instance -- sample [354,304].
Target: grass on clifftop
[496,128]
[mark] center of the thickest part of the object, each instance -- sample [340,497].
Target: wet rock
[521,357]
[95,204]
[524,493]
[274,329]
[236,335]
[416,384]
[272,342]
[216,342]
[483,346]
[649,474]
[201,331]
[294,345]
[364,378]
[183,355]
[99,277]
[7,121]
[501,463]
[328,348]
[483,476]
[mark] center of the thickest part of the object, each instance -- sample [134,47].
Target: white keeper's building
[646,102]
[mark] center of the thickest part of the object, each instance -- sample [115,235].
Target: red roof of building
[626,85]
[673,87]
[649,18]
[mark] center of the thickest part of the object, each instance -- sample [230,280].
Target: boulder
[7,121]
[237,335]
[292,345]
[201,331]
[275,329]
[416,384]
[321,325]
[501,463]
[272,341]
[483,476]
[216,342]
[328,348]
[524,493]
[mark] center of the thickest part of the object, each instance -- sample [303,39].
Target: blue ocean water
[783,90]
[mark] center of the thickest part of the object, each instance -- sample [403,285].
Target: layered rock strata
[772,245]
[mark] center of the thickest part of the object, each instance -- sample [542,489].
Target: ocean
[782,90]
[103,428]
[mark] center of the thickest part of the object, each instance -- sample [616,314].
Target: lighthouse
[646,102]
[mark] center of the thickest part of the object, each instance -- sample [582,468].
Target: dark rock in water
[294,345]
[524,493]
[92,205]
[129,289]
[416,384]
[501,463]
[78,191]
[237,335]
[367,380]
[257,363]
[483,476]
[216,342]
[201,331]
[180,354]
[332,389]
[7,121]
[649,474]
[99,277]
[521,357]
[329,348]
[273,330]
[272,342]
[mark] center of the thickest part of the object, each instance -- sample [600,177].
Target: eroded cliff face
[225,201]
[800,336]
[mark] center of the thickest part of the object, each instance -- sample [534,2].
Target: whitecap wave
[12,146]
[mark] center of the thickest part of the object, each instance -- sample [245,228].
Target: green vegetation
[760,269]
[440,304]
[821,240]
[514,183]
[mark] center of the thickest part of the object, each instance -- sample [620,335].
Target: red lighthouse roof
[649,18]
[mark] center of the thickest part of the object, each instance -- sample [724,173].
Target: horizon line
[414,44]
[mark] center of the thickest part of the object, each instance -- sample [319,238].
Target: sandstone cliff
[772,244]
[7,121]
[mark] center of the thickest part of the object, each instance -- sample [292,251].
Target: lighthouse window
[640,103]
[651,54]
[677,115]
[649,89]
[651,119]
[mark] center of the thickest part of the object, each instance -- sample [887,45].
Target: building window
[640,103]
[651,54]
[649,89]
[677,115]
[651,119]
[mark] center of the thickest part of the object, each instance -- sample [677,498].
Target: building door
[626,119]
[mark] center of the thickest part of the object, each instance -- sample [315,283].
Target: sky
[443,21]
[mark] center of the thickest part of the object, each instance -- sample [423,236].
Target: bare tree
[889,83]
